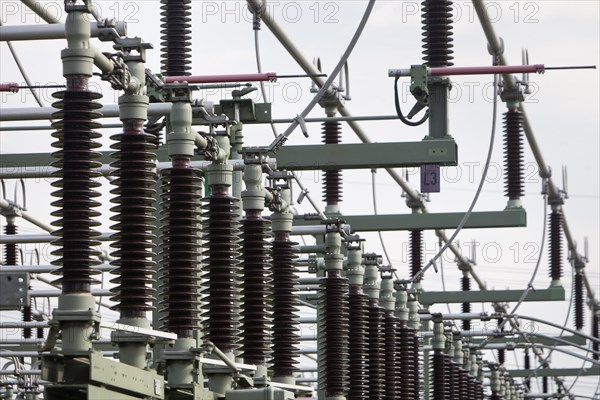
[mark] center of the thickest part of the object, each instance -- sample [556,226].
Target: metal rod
[570,67]
[40,172]
[461,316]
[4,372]
[50,31]
[45,113]
[5,205]
[487,70]
[275,121]
[56,293]
[264,77]
[14,87]
[46,269]
[23,324]
[107,236]
[42,238]
[10,354]
[314,230]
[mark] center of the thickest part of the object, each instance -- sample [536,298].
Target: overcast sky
[563,110]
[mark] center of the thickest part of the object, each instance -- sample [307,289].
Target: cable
[537,265]
[477,193]
[23,73]
[399,111]
[259,70]
[315,100]
[374,191]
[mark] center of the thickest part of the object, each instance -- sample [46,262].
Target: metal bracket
[14,292]
[129,45]
[71,5]
[418,83]
[175,92]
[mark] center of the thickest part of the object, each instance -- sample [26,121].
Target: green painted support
[555,293]
[311,157]
[573,340]
[400,222]
[551,372]
[367,155]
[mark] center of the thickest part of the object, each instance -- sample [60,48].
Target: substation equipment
[208,280]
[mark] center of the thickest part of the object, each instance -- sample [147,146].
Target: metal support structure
[418,221]
[496,46]
[553,293]
[12,33]
[184,363]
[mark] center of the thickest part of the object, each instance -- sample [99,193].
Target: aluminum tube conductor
[10,33]
[315,230]
[42,172]
[45,113]
[35,238]
[45,269]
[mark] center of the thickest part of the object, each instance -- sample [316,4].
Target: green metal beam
[551,372]
[367,155]
[556,293]
[398,222]
[573,339]
[312,157]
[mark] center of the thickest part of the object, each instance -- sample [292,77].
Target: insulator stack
[578,293]
[332,179]
[176,29]
[408,373]
[555,245]
[416,253]
[479,390]
[335,304]
[472,388]
[452,383]
[221,232]
[285,307]
[391,325]
[527,366]
[26,314]
[465,285]
[180,229]
[11,253]
[513,154]
[417,363]
[439,378]
[256,289]
[77,173]
[358,386]
[134,179]
[464,384]
[545,384]
[11,257]
[596,334]
[501,356]
[376,361]
[496,396]
[437,33]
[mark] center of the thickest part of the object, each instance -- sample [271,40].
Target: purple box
[430,178]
